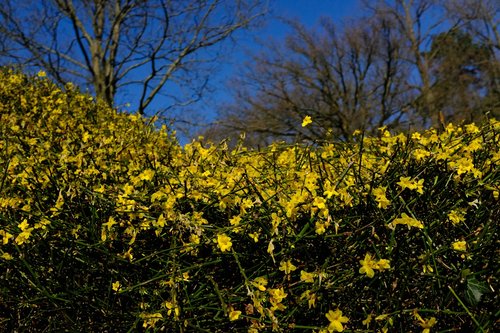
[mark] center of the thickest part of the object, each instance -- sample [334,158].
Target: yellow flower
[407,182]
[287,266]
[427,268]
[277,295]
[367,321]
[456,216]
[172,309]
[367,266]
[381,198]
[6,256]
[307,120]
[319,202]
[336,320]
[472,128]
[426,324]
[160,223]
[382,264]
[235,220]
[128,255]
[254,236]
[260,283]
[194,238]
[420,154]
[234,315]
[224,242]
[147,175]
[23,225]
[320,228]
[306,277]
[462,165]
[6,236]
[381,317]
[116,285]
[405,219]
[459,246]
[23,236]
[150,319]
[42,74]
[111,222]
[311,298]
[419,186]
[270,249]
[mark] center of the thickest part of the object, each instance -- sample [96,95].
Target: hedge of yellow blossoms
[107,210]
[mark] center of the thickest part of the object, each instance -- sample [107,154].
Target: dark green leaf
[475,289]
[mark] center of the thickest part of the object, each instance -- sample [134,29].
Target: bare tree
[405,64]
[431,29]
[344,79]
[480,19]
[464,75]
[110,46]
[415,23]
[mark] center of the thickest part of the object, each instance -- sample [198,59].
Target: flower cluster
[107,209]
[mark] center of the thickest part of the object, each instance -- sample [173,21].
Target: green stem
[465,308]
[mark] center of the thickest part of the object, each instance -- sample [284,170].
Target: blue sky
[308,12]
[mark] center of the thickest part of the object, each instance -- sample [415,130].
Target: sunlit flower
[277,295]
[5,236]
[260,283]
[307,120]
[116,285]
[320,228]
[306,277]
[462,165]
[224,242]
[311,298]
[147,175]
[459,246]
[172,308]
[336,320]
[23,236]
[234,315]
[382,264]
[381,198]
[367,321]
[235,220]
[407,182]
[287,266]
[254,236]
[111,222]
[367,266]
[456,216]
[23,225]
[426,324]
[6,256]
[406,220]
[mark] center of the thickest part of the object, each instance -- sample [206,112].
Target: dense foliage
[108,225]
